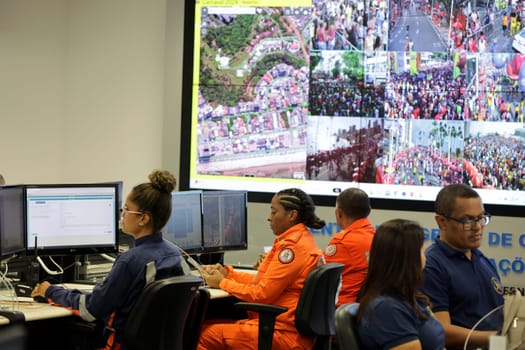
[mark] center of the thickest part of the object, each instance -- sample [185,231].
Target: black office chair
[160,317]
[195,319]
[346,326]
[315,311]
[13,337]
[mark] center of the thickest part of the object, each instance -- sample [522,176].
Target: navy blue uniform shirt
[388,322]
[467,289]
[120,289]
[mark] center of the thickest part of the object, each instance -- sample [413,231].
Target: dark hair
[354,203]
[395,266]
[155,197]
[296,199]
[446,198]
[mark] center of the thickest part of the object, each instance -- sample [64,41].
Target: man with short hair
[351,245]
[460,281]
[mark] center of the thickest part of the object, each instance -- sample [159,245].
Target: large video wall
[399,98]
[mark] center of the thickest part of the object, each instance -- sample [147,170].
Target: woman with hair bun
[279,280]
[146,211]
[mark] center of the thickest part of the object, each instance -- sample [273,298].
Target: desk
[35,311]
[32,310]
[46,325]
[53,326]
[221,301]
[215,293]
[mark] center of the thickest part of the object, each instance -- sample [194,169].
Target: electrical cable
[478,323]
[107,257]
[47,269]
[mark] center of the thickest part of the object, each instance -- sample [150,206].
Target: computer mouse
[40,299]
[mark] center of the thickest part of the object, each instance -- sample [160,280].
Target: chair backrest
[316,307]
[346,326]
[195,319]
[157,321]
[13,337]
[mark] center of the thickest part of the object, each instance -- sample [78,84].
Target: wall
[32,89]
[115,89]
[83,89]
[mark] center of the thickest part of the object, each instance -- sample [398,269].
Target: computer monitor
[12,230]
[72,218]
[184,228]
[225,221]
[120,189]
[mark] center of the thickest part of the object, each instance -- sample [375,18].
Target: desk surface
[215,293]
[32,310]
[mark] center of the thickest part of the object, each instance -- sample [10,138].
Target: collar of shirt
[155,237]
[449,251]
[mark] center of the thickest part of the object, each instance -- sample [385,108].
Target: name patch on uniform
[330,250]
[286,256]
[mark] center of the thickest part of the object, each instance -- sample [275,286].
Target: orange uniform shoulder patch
[330,250]
[286,256]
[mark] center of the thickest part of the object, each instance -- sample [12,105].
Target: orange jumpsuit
[279,281]
[350,247]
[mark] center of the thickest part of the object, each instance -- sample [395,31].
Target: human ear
[440,220]
[293,215]
[146,218]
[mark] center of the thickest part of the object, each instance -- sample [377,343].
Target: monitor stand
[211,258]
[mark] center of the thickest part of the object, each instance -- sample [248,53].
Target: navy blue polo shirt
[467,289]
[388,321]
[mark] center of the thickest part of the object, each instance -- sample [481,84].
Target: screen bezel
[190,250]
[404,204]
[244,217]
[80,249]
[11,251]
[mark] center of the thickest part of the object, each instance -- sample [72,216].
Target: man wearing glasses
[460,281]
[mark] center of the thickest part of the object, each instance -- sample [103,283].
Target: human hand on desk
[213,278]
[214,274]
[40,289]
[217,267]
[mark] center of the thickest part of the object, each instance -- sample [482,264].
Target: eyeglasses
[468,224]
[126,210]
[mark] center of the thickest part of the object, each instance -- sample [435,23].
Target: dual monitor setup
[208,221]
[59,219]
[80,219]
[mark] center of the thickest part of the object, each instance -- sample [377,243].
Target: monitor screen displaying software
[225,220]
[184,228]
[79,218]
[12,239]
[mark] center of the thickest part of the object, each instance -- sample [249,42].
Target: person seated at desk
[279,279]
[393,314]
[145,213]
[351,246]
[461,282]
